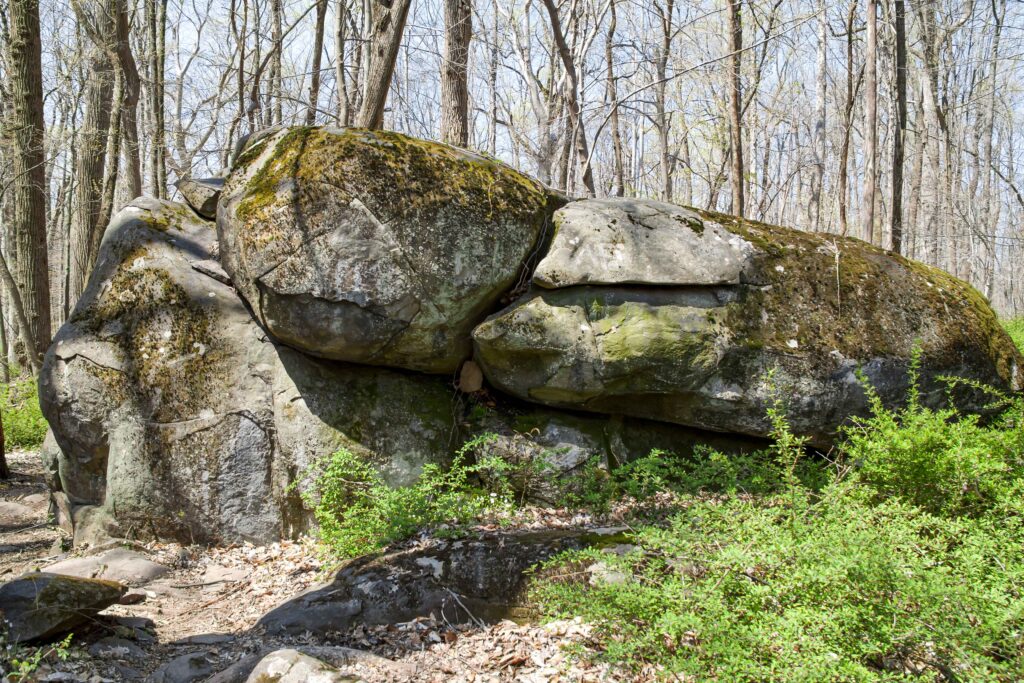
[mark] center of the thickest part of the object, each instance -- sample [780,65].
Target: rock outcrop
[628,318]
[367,263]
[42,605]
[172,407]
[374,247]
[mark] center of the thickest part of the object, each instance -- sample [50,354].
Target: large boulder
[43,605]
[373,247]
[177,417]
[629,316]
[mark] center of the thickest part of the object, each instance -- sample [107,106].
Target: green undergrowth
[23,421]
[1015,328]
[907,564]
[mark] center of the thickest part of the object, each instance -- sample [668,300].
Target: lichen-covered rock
[42,605]
[479,578]
[176,416]
[627,241]
[802,315]
[373,247]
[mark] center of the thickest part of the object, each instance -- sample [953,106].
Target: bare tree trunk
[28,166]
[618,179]
[276,70]
[99,75]
[662,119]
[340,77]
[870,122]
[130,101]
[388,23]
[844,153]
[492,79]
[318,51]
[821,84]
[572,99]
[157,19]
[900,132]
[458,31]
[735,98]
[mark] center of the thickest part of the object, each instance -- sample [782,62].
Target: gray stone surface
[292,666]
[805,313]
[373,247]
[195,666]
[119,564]
[625,241]
[42,605]
[201,194]
[172,407]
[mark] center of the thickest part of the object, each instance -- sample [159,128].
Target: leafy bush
[1015,328]
[24,424]
[907,564]
[358,513]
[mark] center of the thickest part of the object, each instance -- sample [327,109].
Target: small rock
[291,666]
[184,669]
[13,515]
[471,378]
[201,194]
[118,564]
[133,597]
[43,604]
[208,639]
[116,648]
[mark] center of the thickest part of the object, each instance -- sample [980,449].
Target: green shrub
[24,424]
[1015,328]
[358,513]
[908,564]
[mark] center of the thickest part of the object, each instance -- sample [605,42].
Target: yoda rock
[784,313]
[373,247]
[175,415]
[43,605]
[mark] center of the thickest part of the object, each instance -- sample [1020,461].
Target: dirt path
[207,606]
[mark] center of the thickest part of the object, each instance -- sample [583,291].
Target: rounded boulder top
[374,247]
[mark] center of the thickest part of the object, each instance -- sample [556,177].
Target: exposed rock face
[373,247]
[202,194]
[292,666]
[42,605]
[458,580]
[172,408]
[694,345]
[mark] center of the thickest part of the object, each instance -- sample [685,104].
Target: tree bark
[820,93]
[318,51]
[572,99]
[900,132]
[735,98]
[458,25]
[129,102]
[618,176]
[870,122]
[387,25]
[28,166]
[276,68]
[99,86]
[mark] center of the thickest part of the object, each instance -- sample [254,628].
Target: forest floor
[203,613]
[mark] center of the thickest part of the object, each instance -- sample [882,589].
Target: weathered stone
[628,241]
[42,605]
[177,417]
[116,648]
[201,194]
[457,580]
[373,247]
[292,666]
[809,311]
[342,658]
[119,564]
[194,666]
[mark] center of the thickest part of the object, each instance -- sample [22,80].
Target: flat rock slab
[119,564]
[195,666]
[43,604]
[341,658]
[292,666]
[201,194]
[17,515]
[461,580]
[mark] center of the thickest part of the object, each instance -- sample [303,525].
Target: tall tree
[900,132]
[735,103]
[618,178]
[318,51]
[870,122]
[26,128]
[387,22]
[458,31]
[571,94]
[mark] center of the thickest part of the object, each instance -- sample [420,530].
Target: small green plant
[358,513]
[23,421]
[1015,328]
[25,661]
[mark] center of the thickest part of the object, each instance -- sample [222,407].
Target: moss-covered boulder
[373,247]
[41,605]
[798,316]
[177,417]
